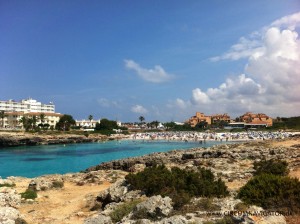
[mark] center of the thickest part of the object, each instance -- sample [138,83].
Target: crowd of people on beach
[210,136]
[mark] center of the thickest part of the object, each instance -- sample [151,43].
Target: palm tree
[90,119]
[33,121]
[42,117]
[141,118]
[2,116]
[26,122]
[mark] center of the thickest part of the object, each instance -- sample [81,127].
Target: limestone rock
[8,215]
[178,219]
[45,183]
[6,182]
[155,206]
[137,168]
[114,193]
[273,220]
[99,219]
[9,197]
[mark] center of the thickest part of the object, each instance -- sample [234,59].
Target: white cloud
[243,49]
[253,46]
[139,109]
[199,97]
[156,75]
[290,21]
[103,102]
[181,103]
[272,74]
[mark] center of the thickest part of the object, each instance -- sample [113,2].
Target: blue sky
[164,60]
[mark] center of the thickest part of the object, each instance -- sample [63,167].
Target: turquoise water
[32,161]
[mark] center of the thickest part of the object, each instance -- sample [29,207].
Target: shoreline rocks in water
[9,139]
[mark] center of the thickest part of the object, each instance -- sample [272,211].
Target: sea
[33,161]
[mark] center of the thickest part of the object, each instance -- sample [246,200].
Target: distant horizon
[162,60]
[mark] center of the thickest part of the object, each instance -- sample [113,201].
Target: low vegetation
[123,210]
[286,123]
[272,192]
[7,185]
[29,194]
[271,189]
[180,185]
[57,184]
[241,206]
[275,167]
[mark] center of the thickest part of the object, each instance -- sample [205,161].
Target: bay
[33,161]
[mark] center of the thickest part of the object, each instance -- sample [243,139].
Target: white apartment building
[26,106]
[14,111]
[91,123]
[87,123]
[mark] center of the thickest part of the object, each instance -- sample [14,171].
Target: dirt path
[61,206]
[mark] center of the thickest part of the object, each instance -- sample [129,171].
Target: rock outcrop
[230,162]
[99,219]
[155,207]
[9,215]
[118,192]
[18,139]
[9,202]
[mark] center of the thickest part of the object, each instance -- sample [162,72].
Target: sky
[163,60]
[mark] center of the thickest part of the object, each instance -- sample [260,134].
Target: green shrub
[105,132]
[29,194]
[241,206]
[123,210]
[207,204]
[272,192]
[178,184]
[7,185]
[276,167]
[141,214]
[57,184]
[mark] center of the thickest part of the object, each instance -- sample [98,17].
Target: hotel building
[248,120]
[199,117]
[259,119]
[220,117]
[27,105]
[28,108]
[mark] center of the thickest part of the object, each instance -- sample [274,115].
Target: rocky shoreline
[233,163]
[224,160]
[8,139]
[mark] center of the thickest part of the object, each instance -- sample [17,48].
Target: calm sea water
[49,159]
